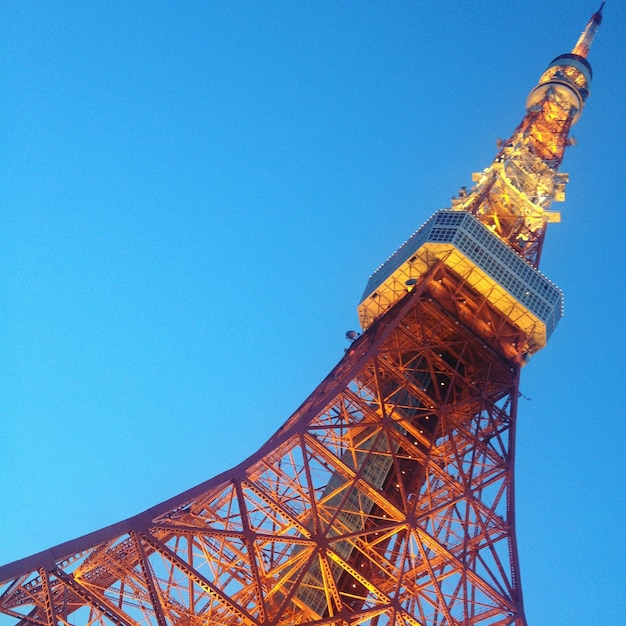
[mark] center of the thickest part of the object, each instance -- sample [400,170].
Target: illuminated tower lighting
[387,498]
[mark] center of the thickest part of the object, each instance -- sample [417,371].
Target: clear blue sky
[192,196]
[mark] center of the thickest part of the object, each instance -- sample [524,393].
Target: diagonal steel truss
[386,499]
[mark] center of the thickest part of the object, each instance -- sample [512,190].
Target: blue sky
[191,201]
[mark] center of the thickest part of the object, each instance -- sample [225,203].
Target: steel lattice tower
[387,498]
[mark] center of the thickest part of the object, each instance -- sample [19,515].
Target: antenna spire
[586,38]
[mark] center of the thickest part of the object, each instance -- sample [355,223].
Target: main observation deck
[457,239]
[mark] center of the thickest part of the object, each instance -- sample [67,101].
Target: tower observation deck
[387,497]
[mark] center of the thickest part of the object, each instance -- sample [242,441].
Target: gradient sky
[192,197]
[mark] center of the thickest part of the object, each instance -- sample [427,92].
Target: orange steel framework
[387,498]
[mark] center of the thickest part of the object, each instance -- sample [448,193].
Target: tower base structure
[386,499]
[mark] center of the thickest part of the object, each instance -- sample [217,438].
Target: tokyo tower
[387,498]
